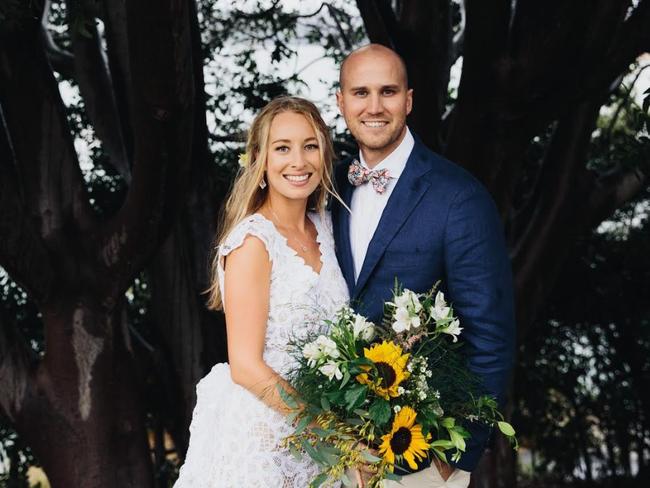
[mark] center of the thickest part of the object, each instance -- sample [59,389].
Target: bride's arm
[246,302]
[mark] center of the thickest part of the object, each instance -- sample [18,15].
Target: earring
[262,184]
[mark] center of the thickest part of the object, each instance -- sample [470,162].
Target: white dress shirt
[367,205]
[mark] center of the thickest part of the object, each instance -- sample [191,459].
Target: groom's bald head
[373,53]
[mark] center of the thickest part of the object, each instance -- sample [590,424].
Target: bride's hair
[246,196]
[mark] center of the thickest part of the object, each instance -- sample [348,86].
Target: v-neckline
[321,259]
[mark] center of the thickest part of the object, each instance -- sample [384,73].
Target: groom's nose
[374,104]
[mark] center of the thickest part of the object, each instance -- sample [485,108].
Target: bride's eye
[311,147]
[282,149]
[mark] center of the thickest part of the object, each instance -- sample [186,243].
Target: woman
[275,275]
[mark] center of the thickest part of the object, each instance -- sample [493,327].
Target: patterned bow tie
[359,174]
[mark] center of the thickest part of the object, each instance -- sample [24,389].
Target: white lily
[312,352]
[402,320]
[331,370]
[440,310]
[453,329]
[362,328]
[327,346]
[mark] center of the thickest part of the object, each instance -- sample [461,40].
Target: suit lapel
[345,251]
[407,193]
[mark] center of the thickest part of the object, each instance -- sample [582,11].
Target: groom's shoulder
[446,174]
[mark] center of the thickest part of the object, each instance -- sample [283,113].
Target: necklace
[303,247]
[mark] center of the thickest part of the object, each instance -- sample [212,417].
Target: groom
[420,218]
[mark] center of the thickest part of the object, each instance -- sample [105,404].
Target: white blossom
[331,370]
[402,320]
[327,346]
[440,310]
[453,329]
[362,328]
[397,408]
[312,352]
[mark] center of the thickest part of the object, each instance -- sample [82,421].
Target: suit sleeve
[479,285]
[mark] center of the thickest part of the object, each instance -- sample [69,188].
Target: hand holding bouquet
[386,395]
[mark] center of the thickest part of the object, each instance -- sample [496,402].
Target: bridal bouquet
[388,394]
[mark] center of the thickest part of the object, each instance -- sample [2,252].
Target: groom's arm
[479,284]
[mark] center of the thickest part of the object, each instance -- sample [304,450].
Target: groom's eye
[361,93]
[389,91]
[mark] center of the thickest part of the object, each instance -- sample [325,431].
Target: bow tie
[358,175]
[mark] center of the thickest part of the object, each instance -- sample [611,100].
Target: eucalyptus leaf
[506,428]
[318,480]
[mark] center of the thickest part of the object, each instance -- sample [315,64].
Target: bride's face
[293,165]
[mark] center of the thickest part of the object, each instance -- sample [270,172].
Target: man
[420,218]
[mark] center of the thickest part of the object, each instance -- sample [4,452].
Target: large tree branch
[378,18]
[96,86]
[49,176]
[486,39]
[160,52]
[559,215]
[427,24]
[21,251]
[118,61]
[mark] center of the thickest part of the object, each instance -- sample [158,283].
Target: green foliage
[585,376]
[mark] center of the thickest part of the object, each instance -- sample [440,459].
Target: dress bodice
[299,297]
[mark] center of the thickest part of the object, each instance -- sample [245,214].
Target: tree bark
[80,411]
[78,406]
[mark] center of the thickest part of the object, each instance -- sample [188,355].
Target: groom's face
[375,100]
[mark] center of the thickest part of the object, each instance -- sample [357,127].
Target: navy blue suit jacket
[439,224]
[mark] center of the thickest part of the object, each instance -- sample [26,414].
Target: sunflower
[405,440]
[390,365]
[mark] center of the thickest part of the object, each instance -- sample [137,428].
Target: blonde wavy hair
[246,196]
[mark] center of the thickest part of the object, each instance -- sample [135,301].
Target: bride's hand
[365,471]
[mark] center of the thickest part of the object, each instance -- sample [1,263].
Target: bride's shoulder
[254,225]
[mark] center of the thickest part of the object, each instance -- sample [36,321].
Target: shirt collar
[395,161]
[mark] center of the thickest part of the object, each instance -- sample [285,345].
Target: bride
[275,275]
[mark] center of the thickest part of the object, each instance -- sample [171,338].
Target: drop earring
[262,183]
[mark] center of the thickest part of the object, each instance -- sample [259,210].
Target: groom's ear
[339,100]
[409,100]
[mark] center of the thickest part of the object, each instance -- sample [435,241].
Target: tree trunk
[81,415]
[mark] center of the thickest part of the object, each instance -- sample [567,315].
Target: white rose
[331,370]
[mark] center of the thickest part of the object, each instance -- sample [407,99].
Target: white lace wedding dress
[234,436]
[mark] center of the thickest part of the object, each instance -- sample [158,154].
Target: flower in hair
[243,160]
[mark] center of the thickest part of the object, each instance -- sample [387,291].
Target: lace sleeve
[253,225]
